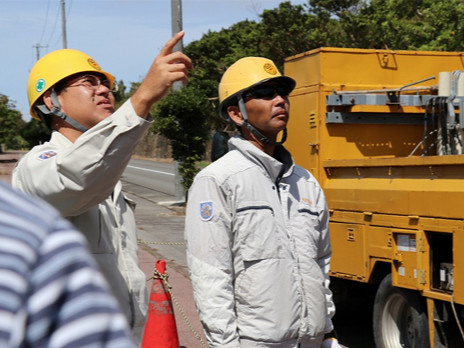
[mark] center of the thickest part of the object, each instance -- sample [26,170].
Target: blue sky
[123,36]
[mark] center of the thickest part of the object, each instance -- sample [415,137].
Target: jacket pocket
[256,231]
[306,223]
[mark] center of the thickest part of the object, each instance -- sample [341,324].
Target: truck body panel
[361,122]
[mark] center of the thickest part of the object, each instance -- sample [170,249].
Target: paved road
[154,176]
[161,226]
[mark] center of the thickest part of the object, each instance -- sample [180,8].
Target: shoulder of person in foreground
[230,164]
[51,293]
[305,173]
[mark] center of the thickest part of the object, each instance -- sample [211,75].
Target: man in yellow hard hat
[79,169]
[258,246]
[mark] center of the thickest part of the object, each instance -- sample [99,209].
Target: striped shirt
[51,293]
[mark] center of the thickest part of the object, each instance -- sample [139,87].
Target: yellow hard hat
[56,66]
[246,73]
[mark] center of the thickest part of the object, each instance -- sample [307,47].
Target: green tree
[445,26]
[183,117]
[401,24]
[284,32]
[216,51]
[35,132]
[332,22]
[121,95]
[11,124]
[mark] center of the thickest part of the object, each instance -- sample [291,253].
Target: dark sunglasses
[266,92]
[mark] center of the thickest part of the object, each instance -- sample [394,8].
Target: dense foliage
[292,29]
[15,133]
[183,118]
[10,125]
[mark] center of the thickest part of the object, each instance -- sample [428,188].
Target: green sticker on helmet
[40,85]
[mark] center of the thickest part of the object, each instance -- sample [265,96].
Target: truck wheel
[400,319]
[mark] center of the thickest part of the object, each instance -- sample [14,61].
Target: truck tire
[400,318]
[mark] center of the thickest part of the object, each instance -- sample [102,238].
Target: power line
[54,27]
[45,21]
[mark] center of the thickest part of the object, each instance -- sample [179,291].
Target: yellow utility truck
[382,131]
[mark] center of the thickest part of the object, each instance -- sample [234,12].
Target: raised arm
[167,68]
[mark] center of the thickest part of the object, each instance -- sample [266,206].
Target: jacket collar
[281,165]
[59,139]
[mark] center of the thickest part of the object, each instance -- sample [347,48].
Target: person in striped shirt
[51,292]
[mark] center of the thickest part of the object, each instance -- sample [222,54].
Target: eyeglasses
[92,81]
[266,92]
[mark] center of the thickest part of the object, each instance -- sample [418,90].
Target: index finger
[168,46]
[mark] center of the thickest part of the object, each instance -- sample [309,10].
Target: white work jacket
[81,180]
[258,251]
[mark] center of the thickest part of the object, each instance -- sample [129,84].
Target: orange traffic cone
[160,328]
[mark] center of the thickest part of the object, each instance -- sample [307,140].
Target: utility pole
[176,26]
[37,50]
[63,22]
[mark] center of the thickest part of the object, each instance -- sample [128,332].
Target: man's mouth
[106,104]
[282,113]
[104,101]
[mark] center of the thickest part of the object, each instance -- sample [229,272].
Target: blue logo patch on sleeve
[206,211]
[47,154]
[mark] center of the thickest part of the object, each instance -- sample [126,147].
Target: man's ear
[47,99]
[235,114]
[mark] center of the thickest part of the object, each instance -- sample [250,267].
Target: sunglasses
[266,92]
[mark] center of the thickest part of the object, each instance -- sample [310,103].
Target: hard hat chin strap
[57,111]
[252,129]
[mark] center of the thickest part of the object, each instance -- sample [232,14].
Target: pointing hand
[167,68]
